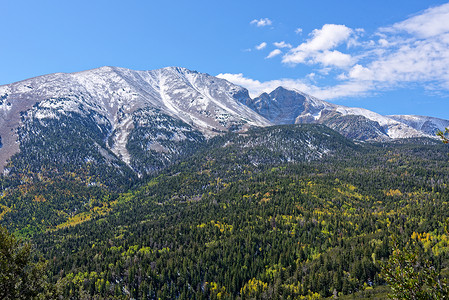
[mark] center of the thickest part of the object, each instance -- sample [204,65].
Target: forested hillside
[288,211]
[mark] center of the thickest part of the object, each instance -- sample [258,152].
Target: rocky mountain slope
[123,120]
[186,105]
[284,106]
[428,125]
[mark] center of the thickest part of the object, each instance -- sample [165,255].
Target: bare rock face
[113,96]
[284,106]
[429,125]
[148,119]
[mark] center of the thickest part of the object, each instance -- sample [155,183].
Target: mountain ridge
[206,103]
[294,107]
[119,99]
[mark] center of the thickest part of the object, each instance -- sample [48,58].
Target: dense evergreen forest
[287,212]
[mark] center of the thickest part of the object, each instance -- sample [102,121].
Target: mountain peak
[119,100]
[282,105]
[114,96]
[282,89]
[179,70]
[289,106]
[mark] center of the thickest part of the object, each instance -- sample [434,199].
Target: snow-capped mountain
[429,125]
[284,106]
[121,119]
[113,96]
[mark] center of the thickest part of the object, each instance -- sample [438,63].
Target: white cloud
[261,46]
[432,22]
[282,45]
[412,60]
[383,42]
[256,87]
[333,58]
[261,22]
[298,30]
[311,76]
[328,37]
[411,52]
[347,89]
[316,49]
[359,72]
[274,53]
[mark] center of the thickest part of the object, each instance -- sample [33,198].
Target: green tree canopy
[20,277]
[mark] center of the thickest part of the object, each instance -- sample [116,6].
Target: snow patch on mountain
[288,106]
[429,125]
[121,139]
[208,104]
[393,128]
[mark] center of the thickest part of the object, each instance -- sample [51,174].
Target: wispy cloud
[432,22]
[261,22]
[261,46]
[414,50]
[274,53]
[282,45]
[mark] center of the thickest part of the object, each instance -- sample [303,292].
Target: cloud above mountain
[353,62]
[318,48]
[414,50]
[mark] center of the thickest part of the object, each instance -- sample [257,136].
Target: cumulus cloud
[317,48]
[430,23]
[383,42]
[359,72]
[256,87]
[261,46]
[282,45]
[274,53]
[412,60]
[353,62]
[329,36]
[333,58]
[413,51]
[261,22]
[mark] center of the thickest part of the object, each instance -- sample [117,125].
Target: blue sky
[388,56]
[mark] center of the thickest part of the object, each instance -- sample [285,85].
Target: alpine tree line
[222,225]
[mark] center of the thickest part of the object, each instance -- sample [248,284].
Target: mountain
[119,121]
[238,197]
[284,106]
[220,225]
[262,146]
[125,107]
[429,125]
